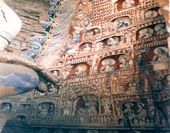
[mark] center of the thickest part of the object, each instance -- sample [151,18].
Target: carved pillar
[164,4]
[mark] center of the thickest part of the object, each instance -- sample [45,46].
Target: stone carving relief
[128,3]
[105,68]
[107,65]
[99,46]
[149,14]
[92,32]
[45,109]
[90,106]
[124,61]
[80,70]
[121,23]
[153,13]
[86,47]
[112,41]
[146,33]
[6,107]
[25,107]
[66,107]
[21,118]
[105,102]
[160,29]
[136,116]
[161,54]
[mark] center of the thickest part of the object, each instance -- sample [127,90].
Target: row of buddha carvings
[90,109]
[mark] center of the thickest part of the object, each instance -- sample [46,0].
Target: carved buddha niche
[124,61]
[92,32]
[153,13]
[107,65]
[45,109]
[112,41]
[6,107]
[160,29]
[124,4]
[151,31]
[21,118]
[161,54]
[85,47]
[128,3]
[135,111]
[121,22]
[88,106]
[145,33]
[81,70]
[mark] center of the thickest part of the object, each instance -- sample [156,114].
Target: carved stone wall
[111,60]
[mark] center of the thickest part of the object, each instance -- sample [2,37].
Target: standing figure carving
[124,61]
[106,105]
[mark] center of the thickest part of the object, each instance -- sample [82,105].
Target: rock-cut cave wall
[111,60]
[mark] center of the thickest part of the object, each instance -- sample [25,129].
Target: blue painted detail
[63,12]
[35,47]
[54,41]
[65,6]
[22,83]
[57,42]
[52,9]
[29,53]
[40,39]
[67,1]
[63,20]
[46,22]
[51,52]
[54,1]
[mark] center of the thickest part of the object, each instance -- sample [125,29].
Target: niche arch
[151,31]
[115,62]
[45,109]
[85,47]
[92,32]
[6,107]
[153,13]
[80,69]
[121,22]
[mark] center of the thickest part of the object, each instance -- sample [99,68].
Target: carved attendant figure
[111,41]
[124,61]
[80,72]
[150,14]
[121,24]
[86,47]
[161,54]
[159,28]
[145,33]
[128,3]
[107,65]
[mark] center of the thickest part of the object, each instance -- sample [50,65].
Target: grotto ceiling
[88,66]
